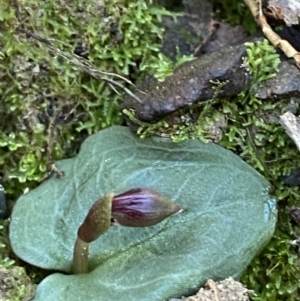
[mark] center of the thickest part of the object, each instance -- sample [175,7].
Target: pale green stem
[80,257]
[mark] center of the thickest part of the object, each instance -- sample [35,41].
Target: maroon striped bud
[142,207]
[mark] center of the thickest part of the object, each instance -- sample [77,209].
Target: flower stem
[80,257]
[97,222]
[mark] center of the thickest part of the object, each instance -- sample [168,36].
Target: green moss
[40,90]
[274,275]
[15,284]
[164,67]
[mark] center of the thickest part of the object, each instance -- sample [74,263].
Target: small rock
[191,83]
[286,84]
[225,290]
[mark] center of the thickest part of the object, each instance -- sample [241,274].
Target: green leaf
[228,217]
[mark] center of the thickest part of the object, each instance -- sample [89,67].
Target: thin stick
[83,64]
[273,37]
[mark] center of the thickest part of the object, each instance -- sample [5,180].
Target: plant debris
[15,285]
[257,12]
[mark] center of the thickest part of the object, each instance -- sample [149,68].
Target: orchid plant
[228,216]
[139,207]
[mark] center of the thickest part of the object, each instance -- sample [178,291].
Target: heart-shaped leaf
[228,217]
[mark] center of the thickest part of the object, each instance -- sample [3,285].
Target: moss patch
[41,91]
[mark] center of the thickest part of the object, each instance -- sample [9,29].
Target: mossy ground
[39,89]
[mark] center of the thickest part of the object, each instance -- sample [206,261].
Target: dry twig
[83,64]
[255,7]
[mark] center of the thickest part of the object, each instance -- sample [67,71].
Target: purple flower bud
[142,207]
